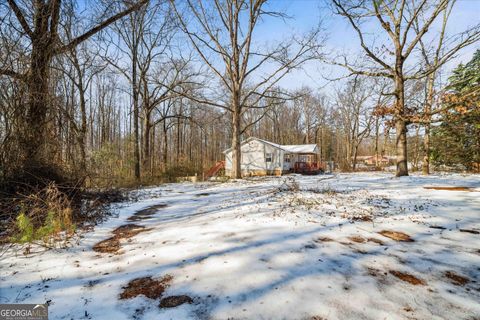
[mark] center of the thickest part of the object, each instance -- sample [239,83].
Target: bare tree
[222,33]
[400,23]
[40,31]
[356,116]
[435,54]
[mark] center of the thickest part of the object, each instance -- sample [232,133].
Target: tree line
[142,91]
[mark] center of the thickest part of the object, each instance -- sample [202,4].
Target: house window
[268,157]
[287,158]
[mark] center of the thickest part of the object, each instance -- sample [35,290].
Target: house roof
[300,148]
[291,148]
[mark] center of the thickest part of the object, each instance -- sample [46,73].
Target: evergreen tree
[457,139]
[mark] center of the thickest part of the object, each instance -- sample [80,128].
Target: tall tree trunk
[82,134]
[236,144]
[354,160]
[426,138]
[165,146]
[136,136]
[34,139]
[377,133]
[400,124]
[147,126]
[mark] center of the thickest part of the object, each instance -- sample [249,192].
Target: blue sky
[305,14]
[342,38]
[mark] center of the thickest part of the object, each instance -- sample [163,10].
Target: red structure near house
[313,167]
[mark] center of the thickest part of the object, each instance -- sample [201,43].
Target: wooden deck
[309,167]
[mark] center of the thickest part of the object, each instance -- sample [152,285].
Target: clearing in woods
[349,246]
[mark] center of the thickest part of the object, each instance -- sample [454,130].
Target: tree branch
[100,27]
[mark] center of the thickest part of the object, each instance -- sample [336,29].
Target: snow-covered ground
[297,247]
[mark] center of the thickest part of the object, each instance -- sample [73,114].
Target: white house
[261,157]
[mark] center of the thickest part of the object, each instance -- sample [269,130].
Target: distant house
[261,157]
[373,160]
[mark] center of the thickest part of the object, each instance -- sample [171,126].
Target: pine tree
[457,138]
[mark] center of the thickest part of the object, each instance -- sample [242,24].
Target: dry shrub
[289,184]
[49,214]
[44,215]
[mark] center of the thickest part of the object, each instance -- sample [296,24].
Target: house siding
[254,159]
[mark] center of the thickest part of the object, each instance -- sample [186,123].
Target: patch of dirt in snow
[469,231]
[147,212]
[323,239]
[147,286]
[407,278]
[357,239]
[112,245]
[396,235]
[375,240]
[378,274]
[450,188]
[174,301]
[437,227]
[456,278]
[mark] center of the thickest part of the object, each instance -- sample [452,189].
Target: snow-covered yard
[292,247]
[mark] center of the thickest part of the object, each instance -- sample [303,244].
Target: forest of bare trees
[116,93]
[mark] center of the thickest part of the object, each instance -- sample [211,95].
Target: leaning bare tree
[401,26]
[222,33]
[38,24]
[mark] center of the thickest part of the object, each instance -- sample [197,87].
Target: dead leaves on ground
[154,289]
[174,301]
[147,286]
[407,277]
[450,188]
[456,278]
[112,245]
[396,235]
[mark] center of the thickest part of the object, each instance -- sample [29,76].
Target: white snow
[259,249]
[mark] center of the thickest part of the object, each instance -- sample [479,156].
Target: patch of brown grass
[174,301]
[456,278]
[357,239]
[450,188]
[375,240]
[112,245]
[147,286]
[407,278]
[323,239]
[395,235]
